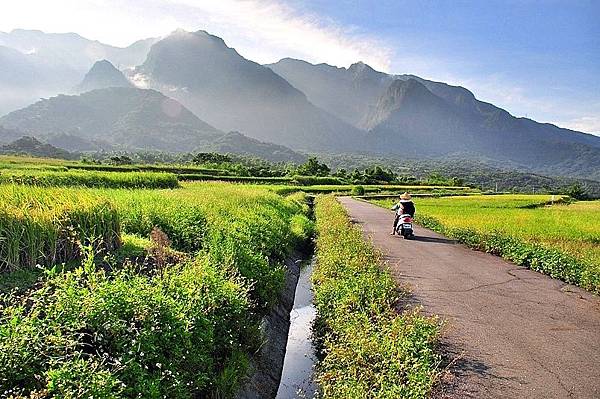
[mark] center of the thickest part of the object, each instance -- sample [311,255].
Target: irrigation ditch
[283,367]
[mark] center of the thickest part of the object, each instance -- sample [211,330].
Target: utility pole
[496,187]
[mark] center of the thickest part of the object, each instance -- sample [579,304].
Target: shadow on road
[437,240]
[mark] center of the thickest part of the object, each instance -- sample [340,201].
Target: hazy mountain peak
[103,74]
[360,67]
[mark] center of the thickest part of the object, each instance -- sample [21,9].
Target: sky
[539,59]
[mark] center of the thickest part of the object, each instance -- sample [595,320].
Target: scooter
[405,226]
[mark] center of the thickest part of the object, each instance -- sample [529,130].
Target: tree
[577,191]
[211,157]
[313,167]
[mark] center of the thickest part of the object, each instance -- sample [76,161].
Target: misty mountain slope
[103,75]
[72,50]
[35,64]
[233,93]
[127,117]
[237,143]
[349,93]
[411,120]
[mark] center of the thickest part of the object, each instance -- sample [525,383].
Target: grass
[43,178]
[368,349]
[180,329]
[562,240]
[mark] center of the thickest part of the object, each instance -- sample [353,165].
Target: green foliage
[315,180]
[357,190]
[234,179]
[91,179]
[576,191]
[163,335]
[180,331]
[206,157]
[369,350]
[312,167]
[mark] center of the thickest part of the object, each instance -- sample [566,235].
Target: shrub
[170,334]
[357,190]
[368,350]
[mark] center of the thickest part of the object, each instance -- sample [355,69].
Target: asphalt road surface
[509,331]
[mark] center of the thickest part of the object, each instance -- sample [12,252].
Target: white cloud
[588,124]
[261,30]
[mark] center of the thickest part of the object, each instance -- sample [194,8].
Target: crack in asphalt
[477,287]
[556,376]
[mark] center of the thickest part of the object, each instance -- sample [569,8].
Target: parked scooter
[405,226]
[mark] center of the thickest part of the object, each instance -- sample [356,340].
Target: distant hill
[103,75]
[129,118]
[33,147]
[233,93]
[237,143]
[414,117]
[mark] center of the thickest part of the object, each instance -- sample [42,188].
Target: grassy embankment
[180,324]
[561,240]
[370,350]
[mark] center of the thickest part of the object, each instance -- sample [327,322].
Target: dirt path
[520,334]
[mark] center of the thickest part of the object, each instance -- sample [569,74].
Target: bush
[357,190]
[368,350]
[170,334]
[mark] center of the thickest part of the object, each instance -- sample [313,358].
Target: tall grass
[369,350]
[43,178]
[45,226]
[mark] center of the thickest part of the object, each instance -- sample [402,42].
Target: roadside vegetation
[560,238]
[368,348]
[169,305]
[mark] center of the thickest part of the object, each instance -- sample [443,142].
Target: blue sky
[539,59]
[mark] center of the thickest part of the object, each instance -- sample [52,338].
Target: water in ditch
[298,366]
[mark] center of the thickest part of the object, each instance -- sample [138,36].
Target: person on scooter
[404,207]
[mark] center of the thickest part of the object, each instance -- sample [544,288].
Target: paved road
[516,333]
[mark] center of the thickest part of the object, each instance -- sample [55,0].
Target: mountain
[72,50]
[9,135]
[412,120]
[35,64]
[33,147]
[237,143]
[130,118]
[414,117]
[233,93]
[349,93]
[103,75]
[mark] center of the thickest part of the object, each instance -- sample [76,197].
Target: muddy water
[298,366]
